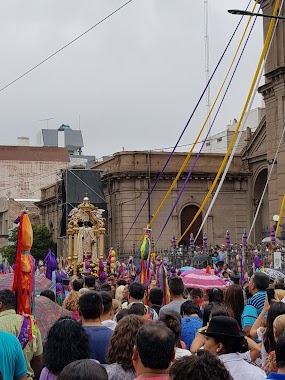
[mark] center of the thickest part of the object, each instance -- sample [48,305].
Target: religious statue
[86,243]
[86,231]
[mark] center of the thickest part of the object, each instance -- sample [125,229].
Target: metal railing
[183,256]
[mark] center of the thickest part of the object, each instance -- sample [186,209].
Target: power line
[65,46]
[213,138]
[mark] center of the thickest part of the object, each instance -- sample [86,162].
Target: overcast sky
[134,80]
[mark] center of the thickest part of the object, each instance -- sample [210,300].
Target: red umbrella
[47,313]
[200,279]
[41,282]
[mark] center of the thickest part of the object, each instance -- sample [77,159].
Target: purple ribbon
[244,238]
[205,241]
[228,241]
[191,242]
[272,236]
[25,332]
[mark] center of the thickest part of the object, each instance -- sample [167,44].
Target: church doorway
[186,218]
[262,224]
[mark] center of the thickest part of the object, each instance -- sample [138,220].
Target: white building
[219,142]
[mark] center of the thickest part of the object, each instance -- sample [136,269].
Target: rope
[183,131]
[267,40]
[209,131]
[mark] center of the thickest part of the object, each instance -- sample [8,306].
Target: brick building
[24,170]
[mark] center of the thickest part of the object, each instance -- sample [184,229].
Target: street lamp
[248,13]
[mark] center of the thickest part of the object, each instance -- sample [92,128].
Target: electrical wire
[98,195]
[66,45]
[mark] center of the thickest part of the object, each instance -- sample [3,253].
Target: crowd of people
[120,331]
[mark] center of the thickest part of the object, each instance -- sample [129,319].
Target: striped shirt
[252,309]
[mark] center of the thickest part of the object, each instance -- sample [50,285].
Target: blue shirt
[190,325]
[99,338]
[12,361]
[276,376]
[252,309]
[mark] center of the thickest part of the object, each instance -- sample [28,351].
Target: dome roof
[64,127]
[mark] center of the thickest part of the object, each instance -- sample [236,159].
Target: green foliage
[41,244]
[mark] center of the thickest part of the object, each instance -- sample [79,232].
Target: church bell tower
[273,92]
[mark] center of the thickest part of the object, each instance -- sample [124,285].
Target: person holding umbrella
[225,340]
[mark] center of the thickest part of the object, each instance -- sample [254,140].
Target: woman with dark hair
[121,314]
[197,367]
[87,369]
[120,353]
[215,295]
[266,335]
[234,302]
[67,341]
[225,340]
[212,309]
[191,322]
[215,310]
[173,321]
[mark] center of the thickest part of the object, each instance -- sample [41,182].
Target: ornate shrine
[86,234]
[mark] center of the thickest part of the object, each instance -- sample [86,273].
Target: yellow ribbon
[280,215]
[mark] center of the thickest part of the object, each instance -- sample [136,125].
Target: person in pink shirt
[154,351]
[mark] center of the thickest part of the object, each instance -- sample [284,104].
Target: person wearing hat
[223,339]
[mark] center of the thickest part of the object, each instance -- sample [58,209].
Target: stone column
[101,242]
[75,248]
[70,233]
[95,232]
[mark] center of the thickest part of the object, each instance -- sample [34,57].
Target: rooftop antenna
[207,63]
[47,120]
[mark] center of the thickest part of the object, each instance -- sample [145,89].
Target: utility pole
[207,60]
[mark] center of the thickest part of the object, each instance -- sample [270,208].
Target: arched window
[186,217]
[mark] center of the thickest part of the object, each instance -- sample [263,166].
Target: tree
[41,244]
